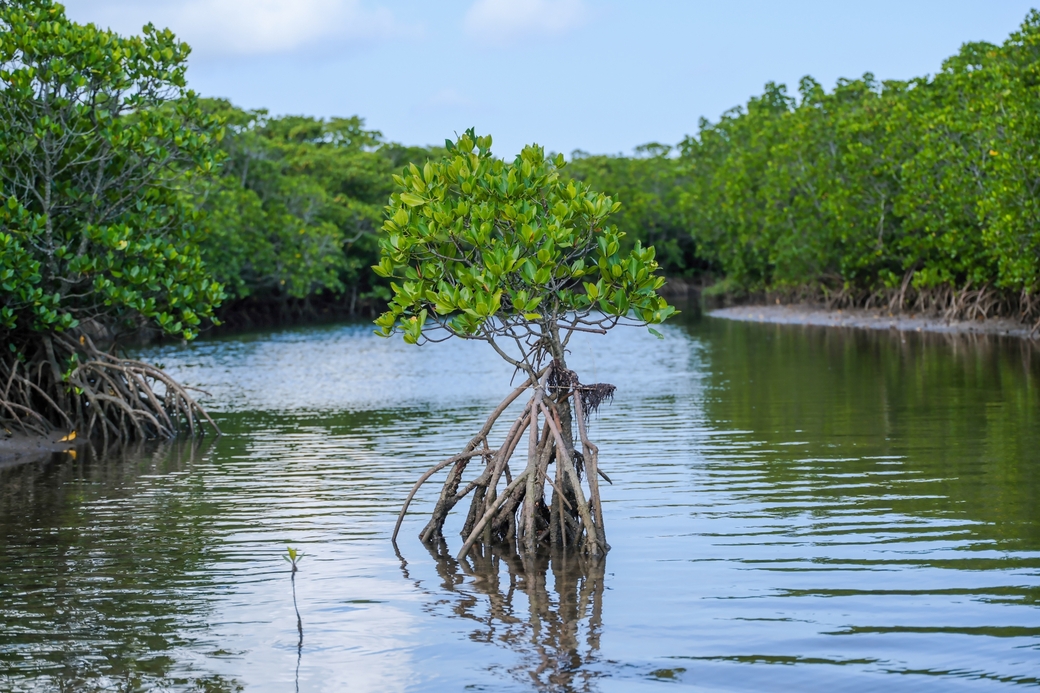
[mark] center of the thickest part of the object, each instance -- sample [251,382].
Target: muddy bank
[18,448]
[872,320]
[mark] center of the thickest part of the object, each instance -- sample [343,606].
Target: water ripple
[791,510]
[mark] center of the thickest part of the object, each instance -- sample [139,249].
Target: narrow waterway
[793,508]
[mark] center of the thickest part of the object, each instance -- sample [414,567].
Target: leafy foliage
[649,186]
[110,210]
[100,144]
[295,213]
[489,250]
[785,196]
[928,183]
[868,190]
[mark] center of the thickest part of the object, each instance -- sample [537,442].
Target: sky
[603,76]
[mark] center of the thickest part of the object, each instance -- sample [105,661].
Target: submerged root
[517,512]
[61,382]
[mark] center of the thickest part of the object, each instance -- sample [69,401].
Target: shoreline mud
[18,448]
[802,314]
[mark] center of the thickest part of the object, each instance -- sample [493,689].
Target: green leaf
[511,229]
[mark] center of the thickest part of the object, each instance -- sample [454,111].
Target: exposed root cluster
[562,380]
[573,516]
[946,302]
[65,382]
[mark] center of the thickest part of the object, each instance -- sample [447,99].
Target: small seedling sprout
[293,557]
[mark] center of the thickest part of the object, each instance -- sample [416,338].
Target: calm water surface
[792,509]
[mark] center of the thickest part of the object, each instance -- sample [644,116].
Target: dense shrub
[880,191]
[295,212]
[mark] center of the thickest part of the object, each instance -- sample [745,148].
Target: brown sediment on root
[875,319]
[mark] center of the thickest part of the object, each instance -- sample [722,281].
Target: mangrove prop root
[591,454]
[571,473]
[422,480]
[517,511]
[946,302]
[449,497]
[66,383]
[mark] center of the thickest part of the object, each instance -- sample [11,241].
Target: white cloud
[247,27]
[509,20]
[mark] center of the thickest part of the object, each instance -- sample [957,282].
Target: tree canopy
[877,189]
[496,251]
[100,144]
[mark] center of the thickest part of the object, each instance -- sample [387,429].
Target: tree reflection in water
[558,638]
[106,563]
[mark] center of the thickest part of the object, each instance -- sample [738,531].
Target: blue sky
[599,75]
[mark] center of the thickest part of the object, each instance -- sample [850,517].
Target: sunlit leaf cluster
[481,248]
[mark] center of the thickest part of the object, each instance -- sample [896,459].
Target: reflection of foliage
[548,637]
[81,614]
[963,411]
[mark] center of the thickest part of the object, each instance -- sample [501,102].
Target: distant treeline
[919,195]
[912,194]
[291,220]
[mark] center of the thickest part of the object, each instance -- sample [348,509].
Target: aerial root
[518,512]
[70,384]
[423,479]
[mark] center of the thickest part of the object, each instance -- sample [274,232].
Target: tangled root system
[64,382]
[519,514]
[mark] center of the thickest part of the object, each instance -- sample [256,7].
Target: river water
[792,509]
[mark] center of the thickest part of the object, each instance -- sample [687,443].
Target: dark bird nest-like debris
[594,395]
[562,381]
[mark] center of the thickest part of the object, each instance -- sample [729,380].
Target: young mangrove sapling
[519,257]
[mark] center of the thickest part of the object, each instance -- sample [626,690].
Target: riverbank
[19,448]
[800,314]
